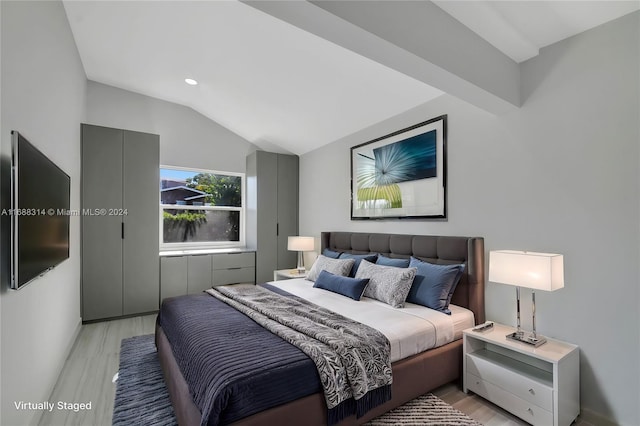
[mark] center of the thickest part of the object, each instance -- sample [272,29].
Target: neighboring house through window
[201,208]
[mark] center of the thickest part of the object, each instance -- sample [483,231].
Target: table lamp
[300,244]
[537,271]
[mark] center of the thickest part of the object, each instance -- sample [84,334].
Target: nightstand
[540,385]
[287,274]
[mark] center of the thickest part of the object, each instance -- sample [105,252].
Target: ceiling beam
[485,20]
[416,38]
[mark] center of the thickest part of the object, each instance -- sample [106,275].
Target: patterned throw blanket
[353,359]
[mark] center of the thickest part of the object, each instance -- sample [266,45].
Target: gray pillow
[335,266]
[387,284]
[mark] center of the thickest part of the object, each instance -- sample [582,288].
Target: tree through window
[201,207]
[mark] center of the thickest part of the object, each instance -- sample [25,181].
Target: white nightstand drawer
[522,380]
[521,408]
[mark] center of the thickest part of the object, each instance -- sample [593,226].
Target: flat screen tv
[40,203]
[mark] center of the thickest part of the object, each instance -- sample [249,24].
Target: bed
[412,376]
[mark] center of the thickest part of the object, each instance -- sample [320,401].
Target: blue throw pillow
[387,261]
[433,285]
[330,253]
[346,286]
[358,257]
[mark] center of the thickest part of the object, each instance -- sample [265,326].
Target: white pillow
[335,266]
[387,284]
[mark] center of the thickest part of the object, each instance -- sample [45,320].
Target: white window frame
[194,245]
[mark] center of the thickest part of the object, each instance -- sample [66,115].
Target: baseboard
[67,352]
[72,343]
[595,418]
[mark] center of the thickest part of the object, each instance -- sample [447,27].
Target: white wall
[561,174]
[43,97]
[187,138]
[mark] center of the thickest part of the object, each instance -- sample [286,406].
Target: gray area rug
[142,398]
[141,395]
[424,410]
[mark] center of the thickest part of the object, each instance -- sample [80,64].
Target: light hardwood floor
[87,375]
[89,369]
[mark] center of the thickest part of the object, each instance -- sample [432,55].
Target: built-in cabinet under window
[194,273]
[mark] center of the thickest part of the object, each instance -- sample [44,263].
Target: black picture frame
[402,175]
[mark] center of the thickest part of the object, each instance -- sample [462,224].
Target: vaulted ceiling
[297,75]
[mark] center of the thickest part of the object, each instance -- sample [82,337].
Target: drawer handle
[530,411]
[532,392]
[233,269]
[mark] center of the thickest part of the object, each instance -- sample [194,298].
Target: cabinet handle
[122,231]
[532,392]
[232,269]
[477,382]
[530,411]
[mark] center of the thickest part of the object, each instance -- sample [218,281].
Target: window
[201,208]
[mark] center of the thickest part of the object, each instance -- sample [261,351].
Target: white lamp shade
[538,271]
[300,244]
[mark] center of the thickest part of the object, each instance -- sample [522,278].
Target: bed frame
[412,377]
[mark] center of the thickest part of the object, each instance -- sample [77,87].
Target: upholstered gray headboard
[435,249]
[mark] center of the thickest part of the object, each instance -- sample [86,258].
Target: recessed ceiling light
[190,81]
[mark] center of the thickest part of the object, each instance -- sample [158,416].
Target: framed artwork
[401,175]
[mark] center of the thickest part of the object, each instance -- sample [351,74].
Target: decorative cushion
[346,286]
[330,253]
[358,258]
[335,266]
[387,261]
[434,285]
[387,284]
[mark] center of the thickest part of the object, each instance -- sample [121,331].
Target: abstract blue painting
[410,159]
[401,175]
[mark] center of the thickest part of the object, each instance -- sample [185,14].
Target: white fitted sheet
[410,330]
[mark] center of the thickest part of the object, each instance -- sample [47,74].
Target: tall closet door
[141,195]
[287,196]
[267,205]
[101,233]
[272,210]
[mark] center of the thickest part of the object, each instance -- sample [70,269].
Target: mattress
[410,330]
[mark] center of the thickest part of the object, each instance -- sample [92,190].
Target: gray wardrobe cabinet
[272,210]
[173,276]
[192,274]
[120,222]
[180,275]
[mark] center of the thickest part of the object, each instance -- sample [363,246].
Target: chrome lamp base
[300,269]
[528,338]
[533,338]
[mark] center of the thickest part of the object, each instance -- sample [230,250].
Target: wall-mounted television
[40,203]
